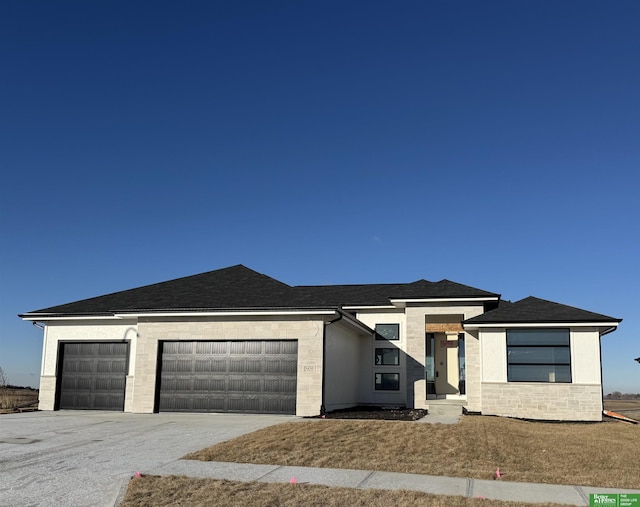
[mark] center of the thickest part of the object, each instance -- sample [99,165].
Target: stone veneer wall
[473,372]
[47,394]
[308,332]
[416,387]
[562,402]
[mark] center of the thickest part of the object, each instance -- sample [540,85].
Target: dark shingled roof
[381,294]
[535,310]
[423,289]
[240,288]
[236,287]
[349,295]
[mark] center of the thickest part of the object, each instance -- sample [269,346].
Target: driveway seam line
[582,494]
[365,479]
[469,492]
[278,467]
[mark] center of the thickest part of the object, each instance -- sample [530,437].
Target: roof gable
[536,310]
[236,287]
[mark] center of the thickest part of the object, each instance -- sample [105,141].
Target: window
[387,381]
[387,357]
[387,331]
[462,365]
[429,363]
[538,355]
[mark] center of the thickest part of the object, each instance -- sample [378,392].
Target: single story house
[234,340]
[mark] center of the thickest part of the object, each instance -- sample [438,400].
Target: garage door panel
[237,347]
[203,366]
[254,347]
[93,375]
[229,376]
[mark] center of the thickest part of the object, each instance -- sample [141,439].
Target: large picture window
[538,355]
[387,331]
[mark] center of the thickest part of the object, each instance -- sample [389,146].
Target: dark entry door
[93,375]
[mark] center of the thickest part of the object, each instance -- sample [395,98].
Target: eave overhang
[126,315]
[605,327]
[369,307]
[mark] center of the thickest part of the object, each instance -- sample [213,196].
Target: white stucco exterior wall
[368,393]
[585,356]
[345,349]
[494,355]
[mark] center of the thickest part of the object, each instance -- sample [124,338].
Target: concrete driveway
[78,458]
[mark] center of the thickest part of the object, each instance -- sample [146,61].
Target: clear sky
[496,144]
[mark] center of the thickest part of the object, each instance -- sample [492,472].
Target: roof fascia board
[249,313]
[444,300]
[370,307]
[132,316]
[44,317]
[611,325]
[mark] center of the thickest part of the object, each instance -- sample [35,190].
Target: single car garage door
[93,375]
[254,376]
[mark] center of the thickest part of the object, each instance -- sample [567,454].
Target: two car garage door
[254,376]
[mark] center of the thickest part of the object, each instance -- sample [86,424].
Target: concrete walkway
[366,479]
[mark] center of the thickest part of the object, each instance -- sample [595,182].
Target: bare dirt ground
[381,413]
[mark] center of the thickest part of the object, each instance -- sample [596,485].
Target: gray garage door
[229,376]
[93,375]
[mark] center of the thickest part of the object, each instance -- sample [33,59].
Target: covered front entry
[445,357]
[254,376]
[92,375]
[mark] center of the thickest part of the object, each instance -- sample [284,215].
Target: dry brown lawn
[591,454]
[11,398]
[169,491]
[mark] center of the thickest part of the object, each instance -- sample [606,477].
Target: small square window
[387,381]
[387,331]
[387,357]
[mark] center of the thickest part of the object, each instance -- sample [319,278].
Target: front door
[446,363]
[442,371]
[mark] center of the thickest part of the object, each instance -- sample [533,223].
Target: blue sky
[496,144]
